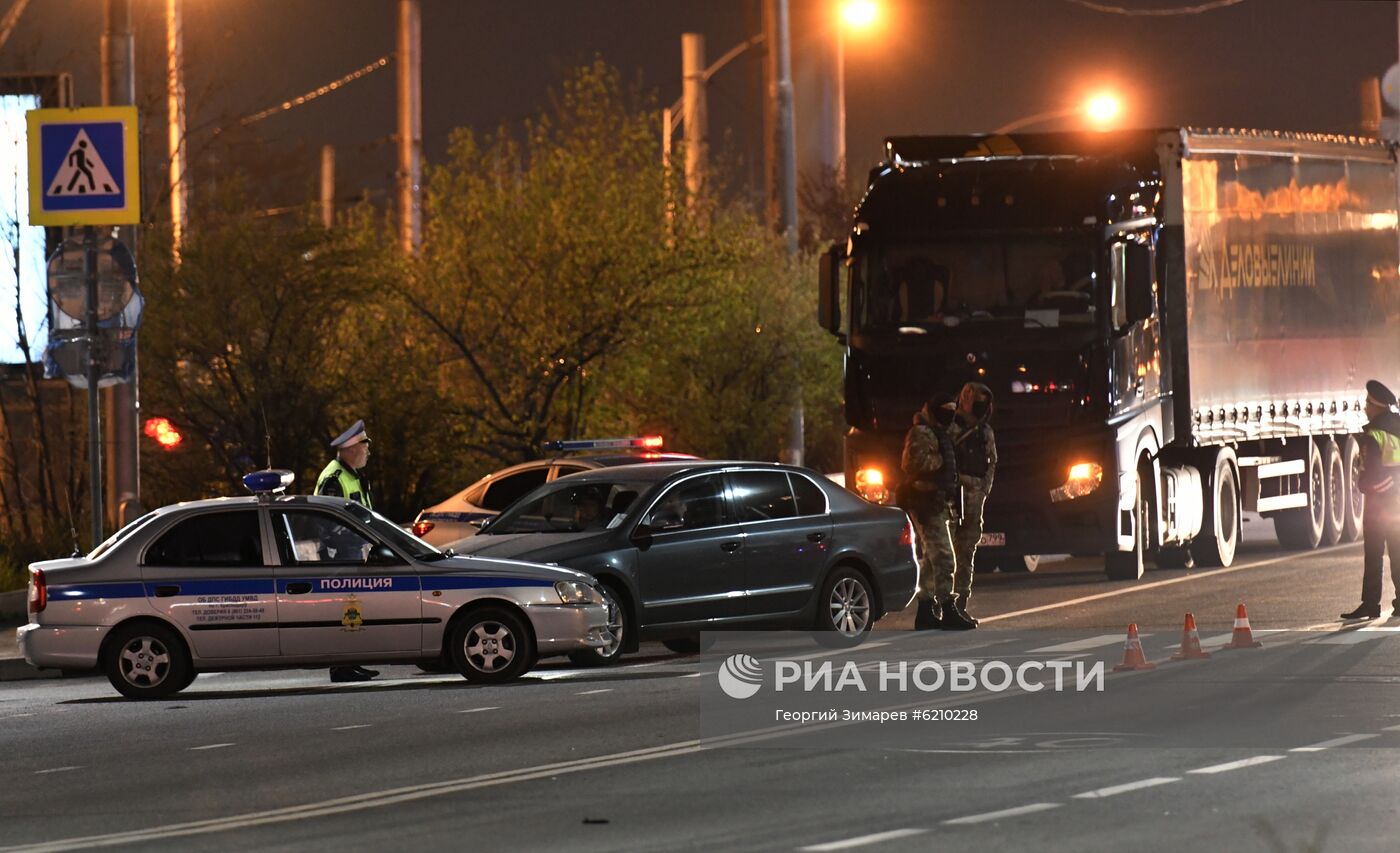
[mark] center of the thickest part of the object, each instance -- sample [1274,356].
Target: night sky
[933,66]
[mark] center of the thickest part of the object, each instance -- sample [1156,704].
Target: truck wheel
[1024,563]
[1337,489]
[147,661]
[1301,529]
[1129,565]
[1220,516]
[1355,503]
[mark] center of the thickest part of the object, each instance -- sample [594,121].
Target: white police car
[273,581]
[460,515]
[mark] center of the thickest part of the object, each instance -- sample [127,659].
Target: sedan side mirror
[383,555]
[481,523]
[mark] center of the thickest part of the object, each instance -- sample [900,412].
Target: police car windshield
[567,507]
[396,536]
[130,528]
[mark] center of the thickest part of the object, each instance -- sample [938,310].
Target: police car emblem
[352,618]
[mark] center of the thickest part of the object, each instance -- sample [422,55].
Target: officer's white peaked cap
[354,435]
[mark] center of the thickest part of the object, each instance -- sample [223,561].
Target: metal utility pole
[94,341]
[786,129]
[832,100]
[327,186]
[1371,107]
[123,399]
[694,111]
[175,107]
[410,136]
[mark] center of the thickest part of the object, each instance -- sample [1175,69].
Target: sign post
[84,170]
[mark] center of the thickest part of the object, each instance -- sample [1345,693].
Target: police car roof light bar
[268,482]
[641,442]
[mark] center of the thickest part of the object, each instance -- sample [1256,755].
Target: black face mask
[980,408]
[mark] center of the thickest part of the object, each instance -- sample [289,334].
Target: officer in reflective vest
[343,478]
[1380,483]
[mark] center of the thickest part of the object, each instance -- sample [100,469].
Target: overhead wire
[1198,9]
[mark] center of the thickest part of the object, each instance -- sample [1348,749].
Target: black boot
[1365,611]
[928,617]
[960,604]
[953,620]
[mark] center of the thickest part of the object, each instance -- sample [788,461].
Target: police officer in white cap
[1380,483]
[343,478]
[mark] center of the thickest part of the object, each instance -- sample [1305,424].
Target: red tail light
[421,528]
[38,591]
[907,537]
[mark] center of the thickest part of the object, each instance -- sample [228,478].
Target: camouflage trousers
[947,548]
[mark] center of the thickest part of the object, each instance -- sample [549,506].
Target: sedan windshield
[911,287]
[395,535]
[568,507]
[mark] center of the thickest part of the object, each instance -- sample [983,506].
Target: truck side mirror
[829,288]
[1138,263]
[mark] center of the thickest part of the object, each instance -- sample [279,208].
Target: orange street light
[860,14]
[1102,109]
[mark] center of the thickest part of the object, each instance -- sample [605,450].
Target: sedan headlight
[574,592]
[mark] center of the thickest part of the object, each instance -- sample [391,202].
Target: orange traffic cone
[1242,638]
[1190,642]
[1133,657]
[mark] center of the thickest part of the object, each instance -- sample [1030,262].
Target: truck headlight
[574,592]
[870,484]
[1083,479]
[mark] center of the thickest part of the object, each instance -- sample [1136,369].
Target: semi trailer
[1177,325]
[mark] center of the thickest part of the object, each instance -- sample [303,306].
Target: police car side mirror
[481,523]
[383,555]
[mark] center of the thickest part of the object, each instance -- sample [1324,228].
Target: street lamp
[1101,110]
[860,14]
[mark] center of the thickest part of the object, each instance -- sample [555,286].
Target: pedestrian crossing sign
[84,166]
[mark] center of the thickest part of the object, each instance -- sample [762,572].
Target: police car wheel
[617,626]
[491,646]
[147,661]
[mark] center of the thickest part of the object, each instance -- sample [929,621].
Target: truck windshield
[911,287]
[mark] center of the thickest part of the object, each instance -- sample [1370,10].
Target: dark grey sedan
[683,546]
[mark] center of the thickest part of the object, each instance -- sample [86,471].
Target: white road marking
[591,692]
[348,728]
[1114,790]
[479,710]
[1346,638]
[1328,744]
[1391,729]
[209,746]
[58,769]
[691,675]
[1083,645]
[860,648]
[15,716]
[1141,587]
[1237,765]
[864,840]
[991,816]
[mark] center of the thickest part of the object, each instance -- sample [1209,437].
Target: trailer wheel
[1337,489]
[1129,565]
[1301,529]
[1220,521]
[1355,502]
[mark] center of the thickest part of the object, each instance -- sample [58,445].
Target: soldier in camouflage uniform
[926,490]
[968,427]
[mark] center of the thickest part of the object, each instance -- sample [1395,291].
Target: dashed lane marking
[864,840]
[348,728]
[591,692]
[58,769]
[1114,790]
[1083,645]
[209,746]
[1237,765]
[1328,744]
[987,817]
[479,710]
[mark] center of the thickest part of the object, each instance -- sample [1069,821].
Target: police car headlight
[573,592]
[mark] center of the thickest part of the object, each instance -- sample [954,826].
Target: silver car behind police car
[277,581]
